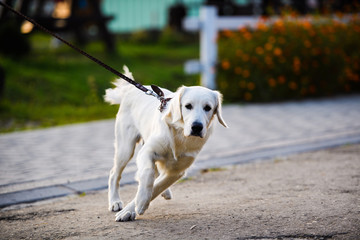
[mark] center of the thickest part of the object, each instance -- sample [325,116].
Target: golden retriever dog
[171,139]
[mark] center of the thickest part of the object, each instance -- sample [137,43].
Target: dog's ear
[218,110]
[173,113]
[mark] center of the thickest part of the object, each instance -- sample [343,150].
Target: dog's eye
[188,106]
[207,108]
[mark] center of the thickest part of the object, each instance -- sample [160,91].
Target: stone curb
[59,190]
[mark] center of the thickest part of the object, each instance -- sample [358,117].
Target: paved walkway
[70,159]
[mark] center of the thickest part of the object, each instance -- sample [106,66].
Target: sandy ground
[306,196]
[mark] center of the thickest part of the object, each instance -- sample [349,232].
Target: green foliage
[167,37]
[290,59]
[172,37]
[144,37]
[59,86]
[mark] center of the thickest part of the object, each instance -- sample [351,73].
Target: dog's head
[193,109]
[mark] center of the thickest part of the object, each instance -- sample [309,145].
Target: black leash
[156,92]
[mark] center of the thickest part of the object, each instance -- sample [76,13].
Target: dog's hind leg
[167,194]
[126,137]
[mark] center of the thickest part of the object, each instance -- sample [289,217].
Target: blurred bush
[170,36]
[144,36]
[167,37]
[290,59]
[12,42]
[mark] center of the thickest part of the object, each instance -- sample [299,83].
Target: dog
[171,139]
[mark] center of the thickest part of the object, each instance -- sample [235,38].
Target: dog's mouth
[196,135]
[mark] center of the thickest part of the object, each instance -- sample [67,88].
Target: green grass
[59,86]
[184,179]
[216,169]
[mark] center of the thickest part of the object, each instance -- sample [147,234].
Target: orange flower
[312,89]
[277,51]
[254,60]
[348,71]
[245,57]
[293,85]
[307,43]
[272,82]
[327,50]
[238,52]
[339,14]
[282,59]
[238,70]
[296,65]
[281,79]
[262,26]
[315,51]
[259,50]
[348,59]
[282,40]
[307,25]
[247,35]
[268,46]
[315,64]
[228,33]
[357,28]
[297,61]
[351,75]
[243,29]
[355,78]
[279,23]
[247,96]
[272,39]
[312,33]
[268,60]
[246,73]
[251,86]
[225,64]
[356,65]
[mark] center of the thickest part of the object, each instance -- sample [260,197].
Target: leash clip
[151,93]
[159,94]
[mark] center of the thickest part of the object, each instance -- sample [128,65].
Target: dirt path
[307,196]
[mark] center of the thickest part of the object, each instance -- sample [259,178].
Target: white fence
[209,24]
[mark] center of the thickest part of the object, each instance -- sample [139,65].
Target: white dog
[172,139]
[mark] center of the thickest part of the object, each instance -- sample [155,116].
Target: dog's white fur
[171,142]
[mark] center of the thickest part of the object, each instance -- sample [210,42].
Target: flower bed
[290,59]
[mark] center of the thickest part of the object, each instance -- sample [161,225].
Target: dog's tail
[113,95]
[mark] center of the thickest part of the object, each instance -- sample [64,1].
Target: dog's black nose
[196,129]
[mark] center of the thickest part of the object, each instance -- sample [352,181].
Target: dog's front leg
[146,177]
[161,184]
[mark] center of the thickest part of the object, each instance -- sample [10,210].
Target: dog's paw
[127,214]
[116,206]
[142,204]
[167,194]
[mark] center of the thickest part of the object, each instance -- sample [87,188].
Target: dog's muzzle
[196,129]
